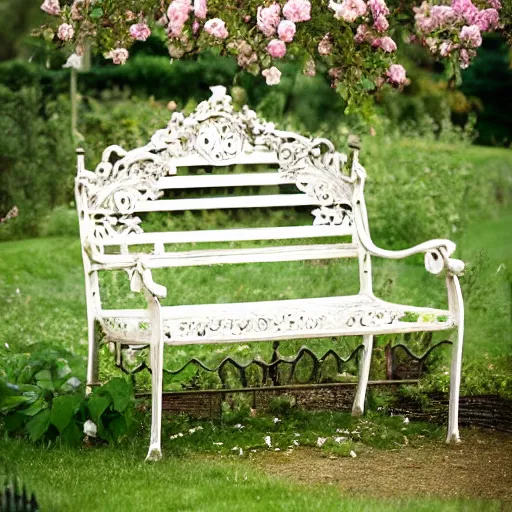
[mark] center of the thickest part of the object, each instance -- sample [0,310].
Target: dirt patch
[479,467]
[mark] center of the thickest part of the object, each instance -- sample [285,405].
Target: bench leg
[157,356]
[457,306]
[92,357]
[364,373]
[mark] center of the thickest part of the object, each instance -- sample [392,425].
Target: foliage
[42,400]
[349,40]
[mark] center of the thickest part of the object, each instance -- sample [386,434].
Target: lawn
[43,305]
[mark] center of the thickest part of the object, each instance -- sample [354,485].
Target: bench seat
[275,320]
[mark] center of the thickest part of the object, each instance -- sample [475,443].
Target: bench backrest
[126,184]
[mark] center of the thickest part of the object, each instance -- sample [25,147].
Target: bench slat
[216,203]
[222,180]
[228,235]
[259,255]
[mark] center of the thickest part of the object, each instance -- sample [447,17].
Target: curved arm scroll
[437,252]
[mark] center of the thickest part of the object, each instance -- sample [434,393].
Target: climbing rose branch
[11,214]
[354,40]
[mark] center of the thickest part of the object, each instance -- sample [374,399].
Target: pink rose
[216,28]
[443,16]
[349,10]
[272,75]
[286,31]
[378,8]
[495,4]
[385,43]
[325,46]
[118,55]
[65,32]
[75,10]
[396,74]
[488,19]
[140,31]
[177,15]
[446,48]
[381,24]
[297,10]
[51,7]
[276,49]
[363,34]
[196,26]
[465,58]
[200,9]
[471,36]
[268,19]
[465,9]
[309,68]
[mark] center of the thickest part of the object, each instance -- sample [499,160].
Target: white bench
[126,183]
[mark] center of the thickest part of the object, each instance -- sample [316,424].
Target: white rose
[90,428]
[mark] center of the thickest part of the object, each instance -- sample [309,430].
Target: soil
[480,467]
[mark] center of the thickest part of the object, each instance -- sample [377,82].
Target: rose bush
[353,41]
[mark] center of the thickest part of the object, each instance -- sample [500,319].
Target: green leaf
[38,425]
[72,435]
[96,13]
[9,403]
[63,409]
[368,84]
[36,407]
[14,421]
[121,393]
[117,427]
[97,405]
[44,380]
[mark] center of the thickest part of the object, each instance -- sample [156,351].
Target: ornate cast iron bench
[128,182]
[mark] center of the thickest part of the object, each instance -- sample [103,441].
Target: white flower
[272,75]
[240,452]
[18,291]
[90,428]
[277,450]
[268,441]
[340,439]
[295,442]
[195,429]
[239,426]
[353,454]
[218,444]
[74,382]
[276,420]
[321,441]
[296,435]
[406,420]
[74,61]
[7,345]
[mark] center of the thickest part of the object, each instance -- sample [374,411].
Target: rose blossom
[378,8]
[396,74]
[471,36]
[381,24]
[309,68]
[297,10]
[51,7]
[363,34]
[65,32]
[446,48]
[268,19]
[495,4]
[465,9]
[200,9]
[140,31]
[75,10]
[488,19]
[464,58]
[286,31]
[177,15]
[216,28]
[348,10]
[443,15]
[118,55]
[276,49]
[325,46]
[386,43]
[272,75]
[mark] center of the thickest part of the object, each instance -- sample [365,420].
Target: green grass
[105,479]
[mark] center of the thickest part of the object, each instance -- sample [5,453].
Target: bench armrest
[141,279]
[437,252]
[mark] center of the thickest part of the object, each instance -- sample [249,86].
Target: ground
[478,468]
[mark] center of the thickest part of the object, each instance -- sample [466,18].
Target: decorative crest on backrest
[215,134]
